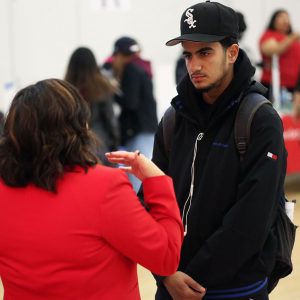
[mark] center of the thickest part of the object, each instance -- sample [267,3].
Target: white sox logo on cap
[190,18]
[207,22]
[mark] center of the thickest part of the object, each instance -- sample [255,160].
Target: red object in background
[292,143]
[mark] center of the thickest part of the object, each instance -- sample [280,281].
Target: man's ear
[233,52]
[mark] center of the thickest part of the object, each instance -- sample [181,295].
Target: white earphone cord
[190,196]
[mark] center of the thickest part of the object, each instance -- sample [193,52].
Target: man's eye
[206,53]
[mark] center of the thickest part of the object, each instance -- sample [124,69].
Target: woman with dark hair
[69,227]
[279,39]
[97,90]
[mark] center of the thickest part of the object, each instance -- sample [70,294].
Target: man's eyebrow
[198,51]
[205,49]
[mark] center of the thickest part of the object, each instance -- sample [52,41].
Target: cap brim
[194,37]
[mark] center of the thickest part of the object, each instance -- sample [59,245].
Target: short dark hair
[228,41]
[45,132]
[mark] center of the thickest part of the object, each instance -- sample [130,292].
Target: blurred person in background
[280,39]
[296,102]
[1,122]
[138,116]
[242,25]
[96,89]
[241,37]
[180,69]
[71,228]
[242,31]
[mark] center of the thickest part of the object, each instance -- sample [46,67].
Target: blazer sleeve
[248,223]
[150,238]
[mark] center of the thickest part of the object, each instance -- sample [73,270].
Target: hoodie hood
[190,103]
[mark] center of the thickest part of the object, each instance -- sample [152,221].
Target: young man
[228,206]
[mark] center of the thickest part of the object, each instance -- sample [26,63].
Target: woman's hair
[271,25]
[85,75]
[45,133]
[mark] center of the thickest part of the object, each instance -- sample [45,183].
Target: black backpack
[285,230]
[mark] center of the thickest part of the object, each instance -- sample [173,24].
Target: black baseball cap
[126,45]
[207,22]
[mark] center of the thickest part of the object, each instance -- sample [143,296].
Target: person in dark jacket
[180,69]
[138,117]
[228,206]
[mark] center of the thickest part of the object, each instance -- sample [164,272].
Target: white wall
[38,36]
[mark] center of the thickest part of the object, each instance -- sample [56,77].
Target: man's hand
[183,287]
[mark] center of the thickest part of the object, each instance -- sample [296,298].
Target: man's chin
[203,89]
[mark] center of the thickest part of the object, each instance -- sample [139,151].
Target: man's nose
[195,65]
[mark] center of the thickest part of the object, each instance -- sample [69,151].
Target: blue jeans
[144,143]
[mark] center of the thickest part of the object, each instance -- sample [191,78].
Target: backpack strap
[168,124]
[242,126]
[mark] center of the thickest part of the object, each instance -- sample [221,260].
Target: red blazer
[85,241]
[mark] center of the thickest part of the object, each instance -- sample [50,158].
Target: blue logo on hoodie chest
[220,145]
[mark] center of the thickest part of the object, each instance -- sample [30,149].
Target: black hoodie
[229,241]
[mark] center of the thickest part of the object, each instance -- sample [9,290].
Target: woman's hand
[136,163]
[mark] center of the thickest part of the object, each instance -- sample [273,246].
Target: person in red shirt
[71,228]
[279,39]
